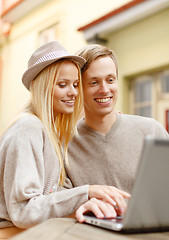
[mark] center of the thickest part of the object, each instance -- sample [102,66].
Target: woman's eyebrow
[66,79]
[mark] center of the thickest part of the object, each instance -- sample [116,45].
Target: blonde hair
[61,129]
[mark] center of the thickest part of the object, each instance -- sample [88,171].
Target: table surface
[69,229]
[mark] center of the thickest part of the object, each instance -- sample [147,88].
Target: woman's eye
[62,85]
[75,85]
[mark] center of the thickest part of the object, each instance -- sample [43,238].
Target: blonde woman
[33,147]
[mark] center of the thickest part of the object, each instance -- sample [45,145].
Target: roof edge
[111,14]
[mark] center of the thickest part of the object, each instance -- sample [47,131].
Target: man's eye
[93,83]
[111,80]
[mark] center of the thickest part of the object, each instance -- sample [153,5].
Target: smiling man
[108,146]
[100,89]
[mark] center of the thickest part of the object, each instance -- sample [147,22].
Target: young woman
[33,147]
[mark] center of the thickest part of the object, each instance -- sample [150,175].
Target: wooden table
[69,229]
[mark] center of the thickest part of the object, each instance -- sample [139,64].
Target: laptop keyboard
[118,219]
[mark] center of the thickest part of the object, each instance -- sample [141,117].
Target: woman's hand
[111,195]
[100,209]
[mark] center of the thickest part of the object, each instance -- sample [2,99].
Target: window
[164,78]
[48,34]
[143,96]
[149,96]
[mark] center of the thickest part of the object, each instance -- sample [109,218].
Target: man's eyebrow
[112,75]
[93,78]
[98,77]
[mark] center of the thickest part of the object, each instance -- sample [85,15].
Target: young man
[108,146]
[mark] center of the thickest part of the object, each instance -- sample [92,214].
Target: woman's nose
[73,91]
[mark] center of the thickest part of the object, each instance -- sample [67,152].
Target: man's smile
[103,100]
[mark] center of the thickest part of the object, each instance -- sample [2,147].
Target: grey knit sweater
[29,176]
[111,159]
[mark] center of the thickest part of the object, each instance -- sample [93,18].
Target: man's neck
[101,124]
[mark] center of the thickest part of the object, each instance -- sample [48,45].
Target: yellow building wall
[140,47]
[23,40]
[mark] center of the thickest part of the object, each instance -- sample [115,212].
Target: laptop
[148,208]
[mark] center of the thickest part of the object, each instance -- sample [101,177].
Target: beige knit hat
[44,56]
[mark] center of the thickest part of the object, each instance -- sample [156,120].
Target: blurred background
[137,30]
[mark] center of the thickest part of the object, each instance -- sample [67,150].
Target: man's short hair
[92,51]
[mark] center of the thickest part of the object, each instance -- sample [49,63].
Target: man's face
[100,87]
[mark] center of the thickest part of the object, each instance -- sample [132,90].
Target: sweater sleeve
[160,131]
[24,181]
[149,126]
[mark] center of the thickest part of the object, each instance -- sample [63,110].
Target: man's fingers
[125,194]
[110,194]
[115,199]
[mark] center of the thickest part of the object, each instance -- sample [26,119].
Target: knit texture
[29,177]
[111,159]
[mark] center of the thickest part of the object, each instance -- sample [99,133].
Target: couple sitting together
[50,165]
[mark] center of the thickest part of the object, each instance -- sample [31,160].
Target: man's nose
[103,88]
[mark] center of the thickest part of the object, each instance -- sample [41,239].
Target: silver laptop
[148,208]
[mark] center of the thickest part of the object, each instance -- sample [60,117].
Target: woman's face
[66,89]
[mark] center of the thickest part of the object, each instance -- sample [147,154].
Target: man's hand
[111,195]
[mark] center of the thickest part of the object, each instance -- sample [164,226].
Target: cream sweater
[29,177]
[111,159]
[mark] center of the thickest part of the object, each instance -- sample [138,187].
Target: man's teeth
[102,100]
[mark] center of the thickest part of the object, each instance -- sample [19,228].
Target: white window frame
[48,34]
[132,104]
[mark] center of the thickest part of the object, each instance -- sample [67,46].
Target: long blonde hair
[61,129]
